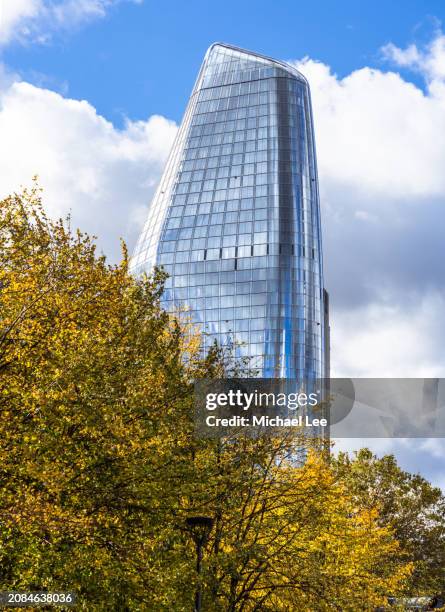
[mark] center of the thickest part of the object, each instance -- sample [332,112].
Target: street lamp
[199,528]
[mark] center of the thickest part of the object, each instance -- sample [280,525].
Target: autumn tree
[286,535]
[408,504]
[91,380]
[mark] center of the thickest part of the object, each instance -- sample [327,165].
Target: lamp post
[199,528]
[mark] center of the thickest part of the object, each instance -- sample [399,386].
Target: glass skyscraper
[235,220]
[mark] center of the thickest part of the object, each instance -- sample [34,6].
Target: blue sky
[142,58]
[92,91]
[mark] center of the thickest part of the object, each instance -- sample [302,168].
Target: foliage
[408,504]
[88,362]
[286,536]
[100,465]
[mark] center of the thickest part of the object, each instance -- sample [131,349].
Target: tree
[286,536]
[100,467]
[91,379]
[407,503]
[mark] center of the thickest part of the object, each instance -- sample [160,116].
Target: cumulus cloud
[377,134]
[101,175]
[35,20]
[429,60]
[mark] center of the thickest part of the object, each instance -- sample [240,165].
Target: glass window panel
[230,228]
[208,185]
[210,173]
[229,241]
[260,237]
[213,253]
[186,232]
[231,217]
[216,218]
[215,230]
[202,219]
[204,208]
[260,249]
[245,227]
[245,239]
[244,251]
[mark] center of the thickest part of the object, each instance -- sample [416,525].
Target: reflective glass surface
[235,220]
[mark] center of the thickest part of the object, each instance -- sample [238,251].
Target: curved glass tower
[235,220]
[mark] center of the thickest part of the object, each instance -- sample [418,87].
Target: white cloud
[36,20]
[406,58]
[103,176]
[14,14]
[377,134]
[390,338]
[429,61]
[77,11]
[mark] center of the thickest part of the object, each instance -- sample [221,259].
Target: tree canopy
[407,503]
[100,465]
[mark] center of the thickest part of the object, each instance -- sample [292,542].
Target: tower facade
[235,220]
